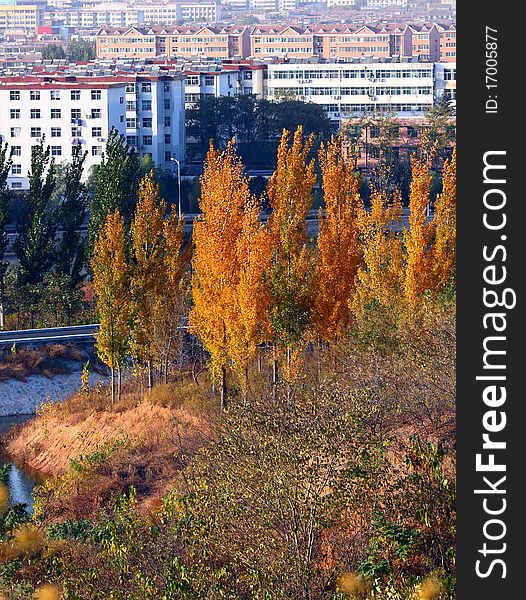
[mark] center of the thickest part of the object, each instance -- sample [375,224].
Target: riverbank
[140,442]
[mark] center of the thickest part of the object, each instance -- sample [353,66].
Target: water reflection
[21,479]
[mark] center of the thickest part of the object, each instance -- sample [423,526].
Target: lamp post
[178,185]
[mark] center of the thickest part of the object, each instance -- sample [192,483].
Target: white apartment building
[68,110]
[121,15]
[231,80]
[386,3]
[351,89]
[446,81]
[342,3]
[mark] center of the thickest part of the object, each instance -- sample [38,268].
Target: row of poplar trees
[258,283]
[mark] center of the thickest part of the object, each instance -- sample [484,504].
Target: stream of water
[22,479]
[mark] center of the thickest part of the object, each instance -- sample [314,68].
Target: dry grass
[47,360]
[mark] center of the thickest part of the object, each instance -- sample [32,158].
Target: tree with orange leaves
[339,251]
[445,226]
[246,323]
[418,236]
[111,288]
[380,278]
[224,194]
[290,273]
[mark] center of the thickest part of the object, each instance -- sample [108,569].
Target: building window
[15,132]
[167,138]
[56,132]
[166,86]
[75,94]
[130,123]
[96,94]
[131,140]
[167,121]
[96,132]
[146,140]
[167,104]
[75,113]
[167,156]
[35,113]
[54,94]
[14,95]
[209,80]
[130,88]
[16,150]
[96,113]
[147,105]
[56,113]
[76,132]
[16,169]
[146,87]
[121,99]
[56,150]
[96,150]
[131,105]
[16,185]
[34,95]
[147,122]
[15,113]
[36,132]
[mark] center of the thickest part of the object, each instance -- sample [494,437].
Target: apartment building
[345,42]
[446,81]
[230,80]
[355,88]
[341,42]
[20,19]
[367,139]
[122,15]
[276,41]
[448,42]
[425,42]
[184,41]
[68,110]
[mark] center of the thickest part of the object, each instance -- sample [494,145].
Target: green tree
[71,215]
[115,184]
[53,52]
[5,167]
[80,50]
[34,246]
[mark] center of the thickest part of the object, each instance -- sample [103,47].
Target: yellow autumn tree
[148,252]
[290,272]
[246,322]
[445,228]
[171,300]
[418,236]
[224,193]
[339,251]
[111,288]
[380,279]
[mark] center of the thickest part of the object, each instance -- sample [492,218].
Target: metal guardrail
[49,334]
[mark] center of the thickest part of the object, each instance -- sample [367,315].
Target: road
[75,333]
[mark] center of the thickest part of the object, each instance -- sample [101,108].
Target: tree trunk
[224,399]
[119,383]
[275,375]
[150,375]
[112,385]
[245,385]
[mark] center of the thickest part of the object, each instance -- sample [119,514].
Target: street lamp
[178,185]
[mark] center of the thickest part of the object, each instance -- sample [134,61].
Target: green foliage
[53,52]
[114,184]
[34,246]
[256,124]
[80,50]
[71,215]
